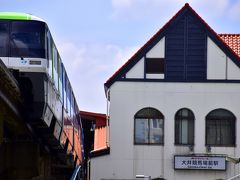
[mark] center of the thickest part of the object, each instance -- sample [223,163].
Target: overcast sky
[96,37]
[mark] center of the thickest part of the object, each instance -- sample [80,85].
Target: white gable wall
[216,61]
[137,71]
[158,51]
[219,66]
[233,71]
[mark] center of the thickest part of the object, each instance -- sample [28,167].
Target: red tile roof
[100,119]
[92,114]
[233,41]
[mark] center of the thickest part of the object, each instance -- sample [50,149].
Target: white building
[174,106]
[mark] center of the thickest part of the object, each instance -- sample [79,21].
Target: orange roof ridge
[229,34]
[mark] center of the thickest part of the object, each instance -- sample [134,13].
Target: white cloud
[89,67]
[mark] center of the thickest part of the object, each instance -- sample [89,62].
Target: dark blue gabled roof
[161,33]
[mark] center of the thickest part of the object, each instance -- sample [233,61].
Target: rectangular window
[154,65]
[141,131]
[219,132]
[148,131]
[156,131]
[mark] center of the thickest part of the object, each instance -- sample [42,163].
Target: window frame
[189,120]
[233,125]
[148,119]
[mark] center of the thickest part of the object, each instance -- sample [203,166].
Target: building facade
[174,106]
[94,129]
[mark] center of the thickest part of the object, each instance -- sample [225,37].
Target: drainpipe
[107,120]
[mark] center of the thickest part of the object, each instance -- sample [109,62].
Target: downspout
[107,120]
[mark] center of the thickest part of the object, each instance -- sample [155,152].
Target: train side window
[60,79]
[71,112]
[58,73]
[63,85]
[73,103]
[67,94]
[53,54]
[4,29]
[55,65]
[49,46]
[68,97]
[64,88]
[47,52]
[55,57]
[69,105]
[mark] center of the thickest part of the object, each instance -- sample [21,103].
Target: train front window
[4,39]
[27,39]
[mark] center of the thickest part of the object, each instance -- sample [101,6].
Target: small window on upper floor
[148,127]
[154,65]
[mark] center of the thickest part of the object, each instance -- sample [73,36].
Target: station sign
[200,162]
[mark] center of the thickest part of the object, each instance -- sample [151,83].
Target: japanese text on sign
[200,162]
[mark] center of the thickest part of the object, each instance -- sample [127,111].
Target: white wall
[137,71]
[158,51]
[233,71]
[126,159]
[219,66]
[216,61]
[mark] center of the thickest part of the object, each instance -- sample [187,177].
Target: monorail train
[27,47]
